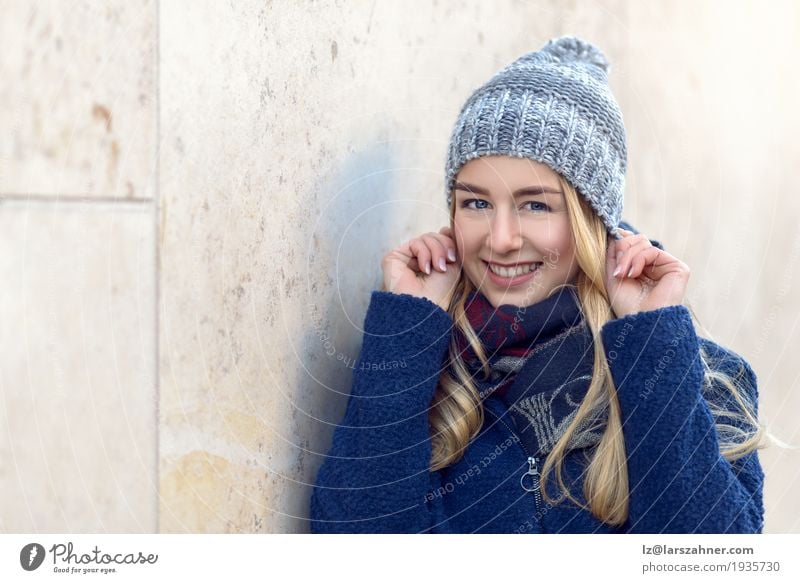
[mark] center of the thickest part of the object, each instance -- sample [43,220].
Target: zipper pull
[533,472]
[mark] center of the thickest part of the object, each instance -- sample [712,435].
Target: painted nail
[428,268]
[451,255]
[631,271]
[442,265]
[616,272]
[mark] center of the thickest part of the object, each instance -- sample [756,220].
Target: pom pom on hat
[571,48]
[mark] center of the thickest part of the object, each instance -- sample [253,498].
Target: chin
[521,298]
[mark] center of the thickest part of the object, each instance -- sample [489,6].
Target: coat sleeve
[679,482]
[376,477]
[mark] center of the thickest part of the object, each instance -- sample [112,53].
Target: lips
[510,264]
[513,279]
[535,264]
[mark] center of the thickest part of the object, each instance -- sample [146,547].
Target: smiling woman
[503,236]
[556,344]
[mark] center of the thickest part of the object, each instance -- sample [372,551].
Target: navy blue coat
[376,477]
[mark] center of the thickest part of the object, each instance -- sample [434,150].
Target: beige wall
[78,155]
[194,201]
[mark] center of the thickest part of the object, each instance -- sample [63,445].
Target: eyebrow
[528,190]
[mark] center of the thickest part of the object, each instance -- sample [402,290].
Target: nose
[504,234]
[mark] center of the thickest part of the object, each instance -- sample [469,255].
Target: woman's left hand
[656,278]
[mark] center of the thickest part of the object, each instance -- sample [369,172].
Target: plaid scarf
[540,360]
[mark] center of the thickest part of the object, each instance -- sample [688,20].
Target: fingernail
[428,268]
[451,255]
[442,265]
[629,272]
[616,272]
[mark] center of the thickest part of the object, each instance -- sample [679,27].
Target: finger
[414,265]
[622,234]
[448,239]
[449,242]
[611,251]
[638,263]
[664,264]
[654,263]
[625,260]
[438,250]
[626,250]
[419,250]
[629,241]
[404,253]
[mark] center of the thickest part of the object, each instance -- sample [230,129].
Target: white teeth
[513,271]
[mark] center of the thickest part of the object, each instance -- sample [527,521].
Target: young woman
[532,367]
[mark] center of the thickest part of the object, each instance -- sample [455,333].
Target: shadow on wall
[359,218]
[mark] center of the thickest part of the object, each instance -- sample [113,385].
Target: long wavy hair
[456,415]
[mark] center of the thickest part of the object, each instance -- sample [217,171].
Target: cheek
[557,246]
[566,257]
[465,236]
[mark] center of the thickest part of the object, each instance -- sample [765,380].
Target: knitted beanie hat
[554,106]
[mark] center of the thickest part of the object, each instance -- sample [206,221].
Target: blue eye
[466,204]
[544,206]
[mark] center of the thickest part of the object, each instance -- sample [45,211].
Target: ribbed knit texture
[376,478]
[554,106]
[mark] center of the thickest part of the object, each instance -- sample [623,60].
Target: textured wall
[195,197]
[78,129]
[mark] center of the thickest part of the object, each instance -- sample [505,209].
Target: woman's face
[492,226]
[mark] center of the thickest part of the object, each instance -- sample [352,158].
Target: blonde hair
[456,414]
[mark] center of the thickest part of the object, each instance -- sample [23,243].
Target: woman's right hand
[414,267]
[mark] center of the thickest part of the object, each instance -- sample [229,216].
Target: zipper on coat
[531,484]
[530,479]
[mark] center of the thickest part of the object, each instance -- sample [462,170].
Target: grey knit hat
[554,106]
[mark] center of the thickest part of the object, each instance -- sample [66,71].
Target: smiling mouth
[511,272]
